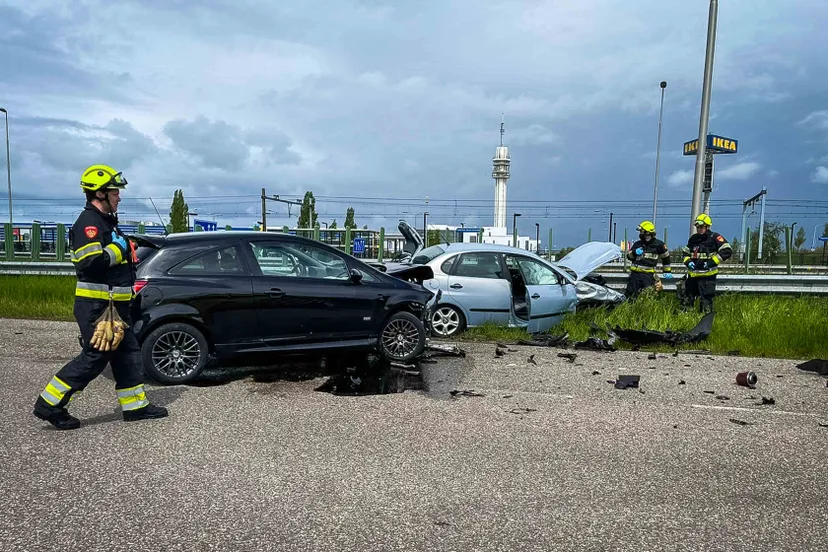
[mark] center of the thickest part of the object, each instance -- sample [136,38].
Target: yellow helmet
[703,220]
[647,226]
[101,177]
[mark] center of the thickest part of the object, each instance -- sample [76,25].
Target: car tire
[175,353]
[449,319]
[402,337]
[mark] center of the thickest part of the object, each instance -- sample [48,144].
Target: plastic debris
[740,422]
[627,382]
[546,340]
[531,360]
[645,336]
[817,365]
[569,356]
[466,393]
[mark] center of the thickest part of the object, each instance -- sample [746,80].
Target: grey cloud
[71,145]
[224,146]
[217,144]
[41,53]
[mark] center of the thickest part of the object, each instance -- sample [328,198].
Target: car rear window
[428,254]
[143,253]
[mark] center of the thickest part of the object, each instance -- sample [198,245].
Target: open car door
[549,296]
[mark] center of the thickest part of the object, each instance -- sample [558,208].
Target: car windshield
[427,254]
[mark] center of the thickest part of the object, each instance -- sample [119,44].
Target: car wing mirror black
[356,275]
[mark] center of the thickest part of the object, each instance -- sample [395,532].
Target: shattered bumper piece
[647,337]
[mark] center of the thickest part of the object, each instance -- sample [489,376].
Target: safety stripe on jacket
[115,255]
[132,398]
[55,390]
[88,250]
[102,291]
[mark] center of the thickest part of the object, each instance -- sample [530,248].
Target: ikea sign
[715,144]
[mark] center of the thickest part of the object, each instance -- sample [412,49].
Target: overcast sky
[379,104]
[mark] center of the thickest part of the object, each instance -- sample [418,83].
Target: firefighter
[105,266]
[645,254]
[704,252]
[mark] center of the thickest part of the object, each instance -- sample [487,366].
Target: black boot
[148,412]
[55,415]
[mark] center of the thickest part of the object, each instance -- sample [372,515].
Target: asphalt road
[552,457]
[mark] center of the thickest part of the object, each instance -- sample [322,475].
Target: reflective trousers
[126,361]
[638,282]
[704,288]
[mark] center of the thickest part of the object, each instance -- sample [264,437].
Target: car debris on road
[649,337]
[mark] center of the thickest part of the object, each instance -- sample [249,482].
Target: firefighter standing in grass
[105,266]
[704,252]
[645,254]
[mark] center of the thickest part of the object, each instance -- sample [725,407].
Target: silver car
[505,285]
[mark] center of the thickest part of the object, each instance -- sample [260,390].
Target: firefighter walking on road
[105,265]
[645,254]
[704,252]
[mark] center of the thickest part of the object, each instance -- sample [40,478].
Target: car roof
[477,247]
[217,237]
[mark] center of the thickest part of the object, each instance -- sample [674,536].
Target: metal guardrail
[743,283]
[780,284]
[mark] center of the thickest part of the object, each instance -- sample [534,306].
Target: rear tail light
[138,285]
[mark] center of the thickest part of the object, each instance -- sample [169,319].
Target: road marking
[742,409]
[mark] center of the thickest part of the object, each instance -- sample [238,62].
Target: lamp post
[425,227]
[8,161]
[537,238]
[514,229]
[658,152]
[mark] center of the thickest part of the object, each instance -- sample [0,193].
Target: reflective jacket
[654,250]
[707,252]
[101,265]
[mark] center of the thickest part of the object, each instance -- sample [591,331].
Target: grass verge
[753,325]
[40,297]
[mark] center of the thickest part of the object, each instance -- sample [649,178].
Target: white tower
[500,173]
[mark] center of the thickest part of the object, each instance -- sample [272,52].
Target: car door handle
[275,292]
[536,296]
[456,286]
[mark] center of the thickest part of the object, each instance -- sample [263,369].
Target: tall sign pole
[696,208]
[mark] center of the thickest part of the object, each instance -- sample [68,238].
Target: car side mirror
[356,275]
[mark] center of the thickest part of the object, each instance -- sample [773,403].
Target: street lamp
[425,227]
[537,238]
[514,229]
[8,161]
[658,152]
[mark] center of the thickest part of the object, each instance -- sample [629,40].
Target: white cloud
[680,179]
[816,119]
[820,175]
[741,171]
[773,173]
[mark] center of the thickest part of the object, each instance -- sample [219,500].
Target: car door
[477,284]
[548,295]
[218,285]
[305,293]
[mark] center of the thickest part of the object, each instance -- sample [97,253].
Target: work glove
[668,275]
[120,241]
[639,251]
[691,265]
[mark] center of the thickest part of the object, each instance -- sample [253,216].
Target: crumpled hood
[589,257]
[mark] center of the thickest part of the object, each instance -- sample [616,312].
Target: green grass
[42,297]
[759,326]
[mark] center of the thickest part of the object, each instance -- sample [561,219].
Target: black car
[254,297]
